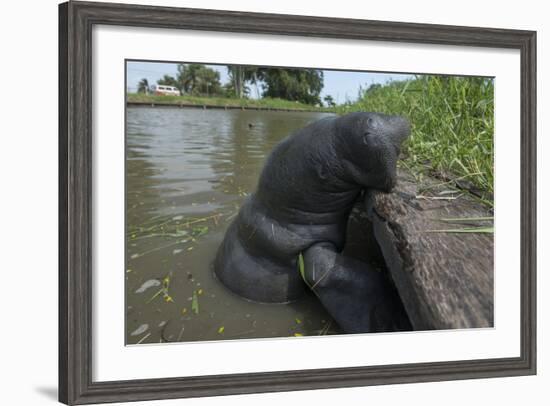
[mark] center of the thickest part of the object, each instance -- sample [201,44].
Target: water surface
[187,173]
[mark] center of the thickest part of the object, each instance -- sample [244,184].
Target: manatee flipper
[359,298]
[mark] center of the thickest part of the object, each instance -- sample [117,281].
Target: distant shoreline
[219,103]
[218,107]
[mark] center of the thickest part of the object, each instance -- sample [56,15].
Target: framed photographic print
[258,202]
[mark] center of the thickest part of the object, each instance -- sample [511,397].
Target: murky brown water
[187,172]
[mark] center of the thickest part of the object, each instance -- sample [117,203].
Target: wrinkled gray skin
[306,191]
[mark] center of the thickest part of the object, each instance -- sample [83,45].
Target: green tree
[196,79]
[329,101]
[143,86]
[303,85]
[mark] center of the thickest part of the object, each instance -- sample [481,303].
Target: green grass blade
[483,230]
[301,267]
[455,219]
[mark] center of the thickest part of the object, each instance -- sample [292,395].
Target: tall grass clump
[452,123]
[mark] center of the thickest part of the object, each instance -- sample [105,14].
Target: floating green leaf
[195,303]
[197,231]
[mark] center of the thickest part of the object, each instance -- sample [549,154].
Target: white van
[159,90]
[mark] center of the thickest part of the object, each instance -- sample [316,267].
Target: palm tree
[143,86]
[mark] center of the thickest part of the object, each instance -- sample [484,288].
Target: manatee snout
[386,129]
[400,129]
[393,131]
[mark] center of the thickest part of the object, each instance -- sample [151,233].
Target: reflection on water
[187,172]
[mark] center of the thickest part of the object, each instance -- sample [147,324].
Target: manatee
[306,191]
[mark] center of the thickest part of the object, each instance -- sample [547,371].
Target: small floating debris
[163,290]
[148,284]
[143,338]
[171,227]
[181,332]
[165,286]
[140,330]
[195,303]
[197,231]
[221,330]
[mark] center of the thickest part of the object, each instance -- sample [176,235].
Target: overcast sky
[341,85]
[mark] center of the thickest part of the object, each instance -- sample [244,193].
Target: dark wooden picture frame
[76,20]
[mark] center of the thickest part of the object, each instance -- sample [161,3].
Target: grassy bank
[452,123]
[265,103]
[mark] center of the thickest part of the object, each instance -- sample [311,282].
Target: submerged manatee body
[306,191]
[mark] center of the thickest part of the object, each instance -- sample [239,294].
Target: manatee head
[369,145]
